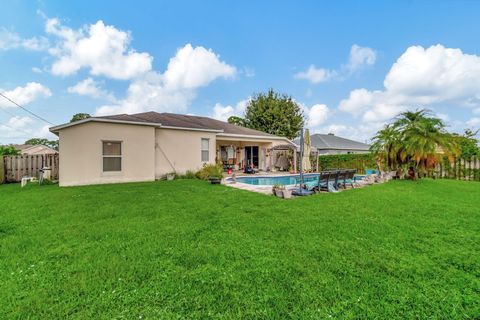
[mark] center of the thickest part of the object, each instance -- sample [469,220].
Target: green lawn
[187,249]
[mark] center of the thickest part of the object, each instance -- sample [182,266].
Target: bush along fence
[459,168]
[14,168]
[360,162]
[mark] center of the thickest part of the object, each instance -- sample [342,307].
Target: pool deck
[265,189]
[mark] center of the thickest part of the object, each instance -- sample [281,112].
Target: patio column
[295,161]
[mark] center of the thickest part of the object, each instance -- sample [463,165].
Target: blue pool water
[283,180]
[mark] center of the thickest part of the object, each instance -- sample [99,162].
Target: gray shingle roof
[330,141]
[186,121]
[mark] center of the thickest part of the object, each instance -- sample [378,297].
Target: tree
[80,116]
[40,141]
[237,121]
[273,113]
[8,151]
[415,139]
[468,144]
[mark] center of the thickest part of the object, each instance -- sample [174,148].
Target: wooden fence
[460,169]
[16,167]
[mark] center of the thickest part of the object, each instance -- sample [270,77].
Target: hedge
[351,161]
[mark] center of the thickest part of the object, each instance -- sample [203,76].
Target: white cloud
[474,122]
[20,129]
[420,77]
[102,49]
[190,69]
[37,70]
[317,115]
[91,88]
[359,57]
[222,113]
[315,75]
[195,67]
[25,95]
[249,72]
[19,122]
[10,40]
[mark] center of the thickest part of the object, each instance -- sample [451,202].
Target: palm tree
[416,139]
[386,145]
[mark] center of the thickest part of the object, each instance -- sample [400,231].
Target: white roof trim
[71,124]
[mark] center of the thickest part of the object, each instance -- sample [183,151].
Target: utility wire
[33,114]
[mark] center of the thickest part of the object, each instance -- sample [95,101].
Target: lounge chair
[340,181]
[349,178]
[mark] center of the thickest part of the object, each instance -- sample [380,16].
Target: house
[332,144]
[27,149]
[147,146]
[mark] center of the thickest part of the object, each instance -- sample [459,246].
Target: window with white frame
[205,149]
[112,156]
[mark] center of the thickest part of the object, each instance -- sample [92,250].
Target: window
[205,150]
[112,156]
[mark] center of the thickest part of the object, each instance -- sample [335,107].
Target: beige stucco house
[147,146]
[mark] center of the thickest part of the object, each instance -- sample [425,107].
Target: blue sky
[352,65]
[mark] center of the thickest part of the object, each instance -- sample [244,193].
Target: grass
[187,249]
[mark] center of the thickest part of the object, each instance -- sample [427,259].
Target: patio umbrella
[300,191]
[307,149]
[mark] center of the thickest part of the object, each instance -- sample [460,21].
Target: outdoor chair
[339,176]
[349,178]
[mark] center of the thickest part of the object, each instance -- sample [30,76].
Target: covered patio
[262,155]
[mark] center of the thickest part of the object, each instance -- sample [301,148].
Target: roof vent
[331,134]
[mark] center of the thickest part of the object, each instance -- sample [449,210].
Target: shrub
[358,161]
[8,151]
[188,175]
[210,170]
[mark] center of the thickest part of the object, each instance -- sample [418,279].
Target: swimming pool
[272,180]
[283,180]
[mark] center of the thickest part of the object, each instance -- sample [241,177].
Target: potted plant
[171,176]
[278,190]
[215,179]
[290,170]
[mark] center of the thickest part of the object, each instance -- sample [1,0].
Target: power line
[33,114]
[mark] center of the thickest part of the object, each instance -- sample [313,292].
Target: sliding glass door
[251,156]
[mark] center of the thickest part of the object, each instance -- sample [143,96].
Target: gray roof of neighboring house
[333,142]
[187,121]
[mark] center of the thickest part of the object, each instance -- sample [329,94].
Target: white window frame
[107,156]
[207,150]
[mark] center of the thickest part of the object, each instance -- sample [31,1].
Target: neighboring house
[147,146]
[332,144]
[27,149]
